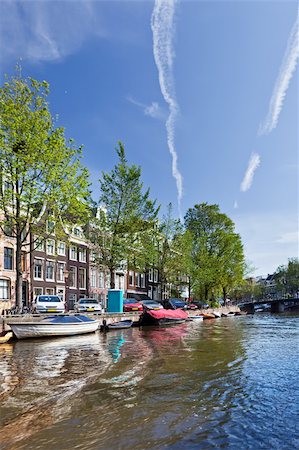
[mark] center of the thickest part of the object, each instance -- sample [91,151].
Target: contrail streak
[163,32]
[253,164]
[287,70]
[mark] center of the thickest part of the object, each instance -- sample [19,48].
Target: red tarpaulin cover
[167,314]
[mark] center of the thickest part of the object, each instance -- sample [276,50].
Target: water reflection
[191,386]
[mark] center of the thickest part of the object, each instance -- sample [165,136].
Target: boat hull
[120,325]
[32,330]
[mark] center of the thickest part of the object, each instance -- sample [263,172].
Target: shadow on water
[193,385]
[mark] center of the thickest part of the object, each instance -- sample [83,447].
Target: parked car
[174,303]
[48,304]
[191,305]
[88,305]
[130,304]
[151,304]
[199,304]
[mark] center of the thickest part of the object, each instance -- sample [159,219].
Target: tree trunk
[112,278]
[224,296]
[19,273]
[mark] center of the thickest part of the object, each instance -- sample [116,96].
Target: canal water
[224,383]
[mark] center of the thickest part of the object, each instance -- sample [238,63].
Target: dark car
[174,303]
[199,304]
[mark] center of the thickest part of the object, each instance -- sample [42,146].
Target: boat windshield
[49,299]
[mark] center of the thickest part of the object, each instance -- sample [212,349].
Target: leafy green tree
[40,171]
[217,251]
[126,216]
[287,277]
[173,252]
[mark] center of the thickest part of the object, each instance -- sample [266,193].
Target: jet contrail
[163,32]
[253,164]
[287,70]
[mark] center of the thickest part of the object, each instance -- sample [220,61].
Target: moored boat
[163,316]
[208,316]
[53,326]
[5,337]
[197,318]
[123,324]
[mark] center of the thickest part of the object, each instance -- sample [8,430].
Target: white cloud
[253,164]
[44,30]
[153,110]
[162,24]
[236,206]
[290,237]
[287,70]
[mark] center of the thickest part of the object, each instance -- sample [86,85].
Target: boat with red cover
[163,316]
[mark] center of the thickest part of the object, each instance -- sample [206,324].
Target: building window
[8,230]
[8,258]
[4,289]
[93,278]
[72,277]
[61,248]
[37,291]
[23,261]
[77,232]
[142,280]
[131,278]
[50,270]
[82,278]
[137,278]
[101,280]
[150,275]
[60,271]
[38,269]
[155,276]
[50,247]
[73,252]
[108,280]
[50,226]
[82,254]
[61,293]
[150,292]
[49,291]
[39,244]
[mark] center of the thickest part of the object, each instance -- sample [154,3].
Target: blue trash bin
[115,301]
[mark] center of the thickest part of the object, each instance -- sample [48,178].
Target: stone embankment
[109,317]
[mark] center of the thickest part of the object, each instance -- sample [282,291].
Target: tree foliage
[217,252]
[40,171]
[173,252]
[127,214]
[287,277]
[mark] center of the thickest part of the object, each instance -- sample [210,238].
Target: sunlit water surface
[225,383]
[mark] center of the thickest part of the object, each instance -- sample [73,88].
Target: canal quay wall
[108,317]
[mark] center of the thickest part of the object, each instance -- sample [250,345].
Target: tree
[173,251]
[40,171]
[217,251]
[287,277]
[126,215]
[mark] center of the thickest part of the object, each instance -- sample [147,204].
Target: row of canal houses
[67,269]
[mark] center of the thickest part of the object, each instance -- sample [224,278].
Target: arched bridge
[277,305]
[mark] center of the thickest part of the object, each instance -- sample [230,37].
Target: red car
[130,304]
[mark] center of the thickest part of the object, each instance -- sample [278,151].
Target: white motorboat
[197,318]
[53,326]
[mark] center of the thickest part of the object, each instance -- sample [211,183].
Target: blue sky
[204,96]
